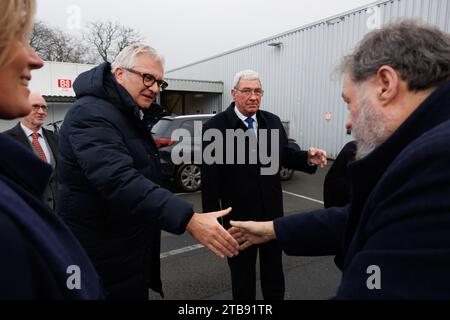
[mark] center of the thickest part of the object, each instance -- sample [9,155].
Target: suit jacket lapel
[50,141]
[20,136]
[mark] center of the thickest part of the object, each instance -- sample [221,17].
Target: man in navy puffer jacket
[110,173]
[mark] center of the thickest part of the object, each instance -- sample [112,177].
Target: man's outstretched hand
[317,156]
[207,230]
[249,233]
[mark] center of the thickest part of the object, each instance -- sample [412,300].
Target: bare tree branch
[109,38]
[54,45]
[102,41]
[126,37]
[40,39]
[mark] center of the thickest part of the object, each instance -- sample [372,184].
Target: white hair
[127,57]
[245,75]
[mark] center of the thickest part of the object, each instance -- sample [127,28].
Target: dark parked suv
[188,176]
[185,176]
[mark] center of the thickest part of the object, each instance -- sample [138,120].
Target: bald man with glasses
[31,133]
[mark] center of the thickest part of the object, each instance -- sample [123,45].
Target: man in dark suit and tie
[43,142]
[253,194]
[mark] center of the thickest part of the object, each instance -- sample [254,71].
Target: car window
[188,125]
[165,127]
[162,128]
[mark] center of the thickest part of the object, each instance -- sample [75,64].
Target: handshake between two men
[228,243]
[206,229]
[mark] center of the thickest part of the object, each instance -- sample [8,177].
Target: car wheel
[189,178]
[286,174]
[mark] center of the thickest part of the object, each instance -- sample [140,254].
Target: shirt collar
[242,117]
[29,132]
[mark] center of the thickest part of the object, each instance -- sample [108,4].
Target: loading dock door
[185,103]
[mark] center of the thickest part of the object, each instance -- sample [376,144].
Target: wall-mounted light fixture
[275,44]
[335,20]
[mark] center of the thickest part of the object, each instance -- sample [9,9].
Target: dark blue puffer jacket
[109,173]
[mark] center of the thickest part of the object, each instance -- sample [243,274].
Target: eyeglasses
[36,107]
[148,79]
[248,92]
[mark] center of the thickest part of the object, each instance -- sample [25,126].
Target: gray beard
[369,129]
[363,150]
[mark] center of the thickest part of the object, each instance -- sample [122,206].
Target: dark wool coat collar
[237,123]
[22,166]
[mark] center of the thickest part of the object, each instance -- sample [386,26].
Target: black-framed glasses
[36,107]
[148,79]
[248,92]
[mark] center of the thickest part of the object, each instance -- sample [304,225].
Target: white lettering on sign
[64,83]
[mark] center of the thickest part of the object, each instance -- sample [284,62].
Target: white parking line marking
[187,193]
[180,251]
[199,246]
[303,197]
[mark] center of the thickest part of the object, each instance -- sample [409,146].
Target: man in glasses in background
[43,142]
[110,175]
[253,195]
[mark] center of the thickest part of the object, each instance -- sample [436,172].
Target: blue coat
[36,248]
[109,175]
[399,216]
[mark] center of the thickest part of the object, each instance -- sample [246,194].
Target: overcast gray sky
[185,31]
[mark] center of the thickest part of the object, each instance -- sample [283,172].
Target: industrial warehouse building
[298,70]
[298,67]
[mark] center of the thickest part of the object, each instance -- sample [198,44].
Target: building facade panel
[300,76]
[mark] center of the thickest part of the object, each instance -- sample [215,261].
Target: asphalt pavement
[190,272]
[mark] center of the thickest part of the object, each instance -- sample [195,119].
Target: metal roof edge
[73,63]
[310,25]
[54,98]
[205,81]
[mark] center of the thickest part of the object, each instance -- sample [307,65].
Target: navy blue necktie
[250,122]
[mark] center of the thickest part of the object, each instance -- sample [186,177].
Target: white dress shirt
[243,118]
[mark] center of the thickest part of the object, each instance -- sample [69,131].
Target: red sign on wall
[64,83]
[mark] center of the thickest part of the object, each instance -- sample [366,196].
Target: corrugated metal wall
[300,77]
[194,86]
